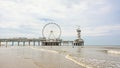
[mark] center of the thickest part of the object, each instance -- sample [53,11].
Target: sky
[99,20]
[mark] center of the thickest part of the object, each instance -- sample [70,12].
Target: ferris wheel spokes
[51,31]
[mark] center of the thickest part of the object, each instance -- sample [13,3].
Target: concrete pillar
[34,43]
[43,43]
[6,43]
[72,43]
[0,43]
[23,43]
[12,43]
[60,43]
[52,43]
[38,43]
[73,46]
[18,43]
[29,43]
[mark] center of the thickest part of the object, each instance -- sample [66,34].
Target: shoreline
[82,56]
[29,56]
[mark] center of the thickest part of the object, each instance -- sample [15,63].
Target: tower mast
[78,33]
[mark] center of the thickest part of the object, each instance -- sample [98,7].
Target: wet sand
[26,57]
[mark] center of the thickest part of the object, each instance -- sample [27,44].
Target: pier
[19,40]
[50,40]
[29,42]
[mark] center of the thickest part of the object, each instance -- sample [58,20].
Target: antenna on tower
[78,32]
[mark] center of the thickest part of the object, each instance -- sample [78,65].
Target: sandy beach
[26,57]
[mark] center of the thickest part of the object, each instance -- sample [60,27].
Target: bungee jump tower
[79,41]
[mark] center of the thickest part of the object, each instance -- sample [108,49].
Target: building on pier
[79,41]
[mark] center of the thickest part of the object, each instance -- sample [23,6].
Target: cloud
[102,30]
[29,16]
[56,9]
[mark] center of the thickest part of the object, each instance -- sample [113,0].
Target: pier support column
[0,43]
[34,43]
[38,43]
[29,43]
[72,43]
[6,43]
[60,44]
[63,43]
[24,43]
[12,43]
[18,43]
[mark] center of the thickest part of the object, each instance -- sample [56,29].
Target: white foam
[45,50]
[81,64]
[113,51]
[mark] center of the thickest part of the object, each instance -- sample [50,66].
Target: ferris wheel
[51,31]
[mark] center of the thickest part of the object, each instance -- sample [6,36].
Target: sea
[90,56]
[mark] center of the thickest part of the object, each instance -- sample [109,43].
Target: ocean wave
[113,51]
[45,50]
[77,62]
[93,63]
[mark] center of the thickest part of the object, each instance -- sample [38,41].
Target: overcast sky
[99,20]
